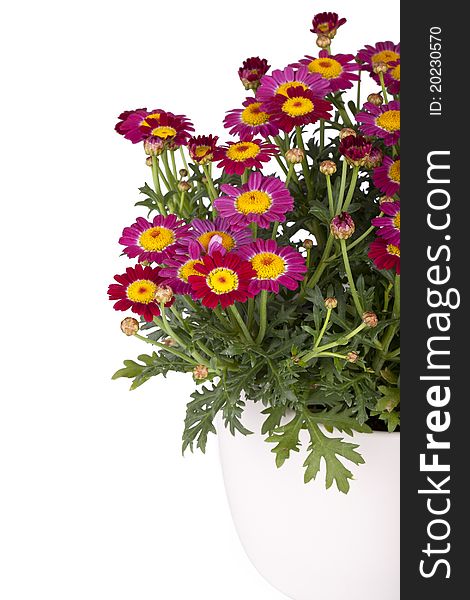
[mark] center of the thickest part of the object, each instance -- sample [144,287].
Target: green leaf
[286,439]
[390,399]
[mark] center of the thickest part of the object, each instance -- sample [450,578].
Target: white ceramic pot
[308,542]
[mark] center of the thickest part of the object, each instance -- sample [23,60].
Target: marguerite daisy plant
[264,264]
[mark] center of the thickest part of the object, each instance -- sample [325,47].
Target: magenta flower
[131,121]
[326,23]
[355,149]
[385,255]
[178,269]
[387,177]
[154,241]
[385,52]
[336,69]
[252,71]
[262,200]
[274,266]
[390,224]
[250,121]
[298,107]
[235,157]
[280,81]
[381,121]
[201,148]
[392,78]
[174,130]
[218,235]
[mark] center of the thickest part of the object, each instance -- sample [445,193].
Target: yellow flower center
[394,171]
[252,115]
[142,290]
[222,280]
[154,116]
[202,151]
[227,240]
[268,265]
[253,201]
[396,220]
[282,89]
[395,73]
[389,120]
[188,269]
[395,250]
[156,239]
[298,106]
[329,68]
[324,27]
[385,56]
[164,132]
[242,151]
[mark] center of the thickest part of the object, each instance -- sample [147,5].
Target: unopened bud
[331,303]
[153,146]
[345,132]
[183,173]
[327,167]
[129,326]
[380,67]
[352,357]
[342,226]
[184,186]
[386,199]
[200,372]
[323,41]
[373,159]
[295,156]
[375,99]
[170,342]
[148,161]
[308,244]
[163,294]
[370,319]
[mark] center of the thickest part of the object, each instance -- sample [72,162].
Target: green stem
[384,89]
[330,196]
[308,179]
[342,188]
[262,316]
[183,158]
[275,228]
[210,184]
[341,341]
[166,348]
[245,176]
[358,102]
[254,229]
[322,135]
[323,329]
[165,324]
[241,323]
[352,285]
[169,174]
[289,174]
[162,175]
[173,163]
[390,331]
[312,282]
[352,187]
[157,186]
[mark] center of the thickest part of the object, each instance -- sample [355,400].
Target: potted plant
[278,288]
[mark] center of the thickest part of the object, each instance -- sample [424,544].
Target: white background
[96,501]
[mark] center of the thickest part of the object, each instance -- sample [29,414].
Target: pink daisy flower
[385,255]
[202,147]
[390,224]
[262,200]
[250,121]
[336,69]
[387,177]
[326,23]
[131,121]
[175,130]
[298,107]
[235,157]
[251,72]
[274,266]
[135,289]
[392,78]
[220,235]
[381,121]
[154,241]
[178,269]
[386,52]
[280,81]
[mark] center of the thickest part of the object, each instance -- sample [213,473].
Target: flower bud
[375,99]
[370,319]
[295,156]
[129,326]
[184,186]
[148,161]
[352,357]
[170,342]
[342,226]
[386,199]
[323,41]
[183,173]
[308,244]
[163,294]
[153,146]
[331,303]
[374,159]
[380,67]
[345,132]
[200,372]
[327,167]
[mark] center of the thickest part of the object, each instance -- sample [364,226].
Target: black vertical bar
[435,362]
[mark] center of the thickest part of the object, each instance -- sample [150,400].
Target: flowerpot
[309,542]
